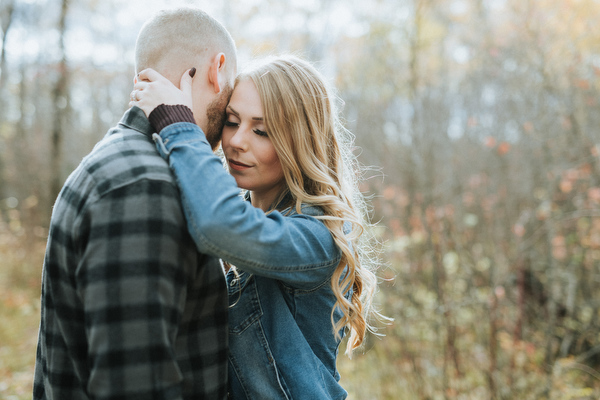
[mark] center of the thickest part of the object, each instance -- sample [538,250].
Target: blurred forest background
[481,118]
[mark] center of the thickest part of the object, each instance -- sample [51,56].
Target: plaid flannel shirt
[130,309]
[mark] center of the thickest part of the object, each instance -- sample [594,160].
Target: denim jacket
[282,344]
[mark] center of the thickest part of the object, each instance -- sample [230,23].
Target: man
[130,309]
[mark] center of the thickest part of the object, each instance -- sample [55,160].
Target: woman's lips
[238,166]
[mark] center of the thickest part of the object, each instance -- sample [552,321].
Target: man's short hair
[182,37]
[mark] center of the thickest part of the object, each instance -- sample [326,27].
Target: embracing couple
[161,281]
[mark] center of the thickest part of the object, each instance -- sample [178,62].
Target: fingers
[134,95]
[140,85]
[137,89]
[149,75]
[133,98]
[136,100]
[151,89]
[185,85]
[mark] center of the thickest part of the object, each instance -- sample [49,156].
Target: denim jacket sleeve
[297,249]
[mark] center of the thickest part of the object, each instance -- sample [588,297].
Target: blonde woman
[301,277]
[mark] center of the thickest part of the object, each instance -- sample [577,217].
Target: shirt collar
[135,119]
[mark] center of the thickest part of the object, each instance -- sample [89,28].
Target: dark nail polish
[193,72]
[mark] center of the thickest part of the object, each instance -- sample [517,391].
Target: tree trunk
[6,18]
[6,21]
[60,96]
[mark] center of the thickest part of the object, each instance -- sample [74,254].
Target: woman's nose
[239,139]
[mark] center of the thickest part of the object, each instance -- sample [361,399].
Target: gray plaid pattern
[130,309]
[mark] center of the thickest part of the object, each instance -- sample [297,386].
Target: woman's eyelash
[260,133]
[257,131]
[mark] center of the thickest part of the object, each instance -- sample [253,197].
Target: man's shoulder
[124,156]
[125,170]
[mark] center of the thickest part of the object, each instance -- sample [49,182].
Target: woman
[302,273]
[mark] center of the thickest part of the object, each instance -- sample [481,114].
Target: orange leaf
[389,193]
[558,241]
[594,194]
[583,84]
[519,230]
[566,186]
[490,142]
[503,148]
[528,126]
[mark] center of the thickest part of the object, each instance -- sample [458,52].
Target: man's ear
[216,73]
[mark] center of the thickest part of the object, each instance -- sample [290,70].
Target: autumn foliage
[481,121]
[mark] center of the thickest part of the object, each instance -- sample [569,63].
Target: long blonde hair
[315,152]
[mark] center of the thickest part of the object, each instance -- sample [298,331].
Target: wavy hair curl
[315,151]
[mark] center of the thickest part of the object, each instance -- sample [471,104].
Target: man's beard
[216,117]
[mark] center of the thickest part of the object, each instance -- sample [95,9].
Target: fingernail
[193,72]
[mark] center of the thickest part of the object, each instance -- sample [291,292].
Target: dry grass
[20,274]
[383,370]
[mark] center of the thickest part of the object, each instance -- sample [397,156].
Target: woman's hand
[152,89]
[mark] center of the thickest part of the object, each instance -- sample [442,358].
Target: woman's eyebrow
[237,114]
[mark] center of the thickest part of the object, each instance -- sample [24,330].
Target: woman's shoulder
[313,211]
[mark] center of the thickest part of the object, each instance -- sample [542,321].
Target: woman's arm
[298,249]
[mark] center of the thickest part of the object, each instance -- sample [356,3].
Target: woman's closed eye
[260,133]
[234,124]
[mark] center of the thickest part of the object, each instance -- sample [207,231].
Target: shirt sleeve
[297,249]
[133,288]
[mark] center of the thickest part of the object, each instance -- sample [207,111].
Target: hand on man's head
[152,89]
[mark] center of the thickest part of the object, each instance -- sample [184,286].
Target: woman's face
[250,155]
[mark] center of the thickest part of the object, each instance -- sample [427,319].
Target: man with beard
[130,309]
